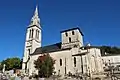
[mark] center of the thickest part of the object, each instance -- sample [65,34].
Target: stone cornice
[32,40]
[34,26]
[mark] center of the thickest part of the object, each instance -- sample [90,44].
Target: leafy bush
[45,65]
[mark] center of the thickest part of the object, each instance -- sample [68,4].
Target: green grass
[12,78]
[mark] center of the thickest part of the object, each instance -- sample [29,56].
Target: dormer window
[31,21]
[66,34]
[73,32]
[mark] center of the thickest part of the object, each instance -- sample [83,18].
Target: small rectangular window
[73,33]
[66,34]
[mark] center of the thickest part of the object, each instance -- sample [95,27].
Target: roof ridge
[49,45]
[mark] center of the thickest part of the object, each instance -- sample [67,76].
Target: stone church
[70,55]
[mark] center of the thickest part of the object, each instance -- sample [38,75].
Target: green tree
[1,66]
[45,65]
[12,63]
[110,50]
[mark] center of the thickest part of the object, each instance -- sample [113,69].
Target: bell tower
[72,38]
[33,38]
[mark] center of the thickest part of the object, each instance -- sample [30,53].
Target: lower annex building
[70,54]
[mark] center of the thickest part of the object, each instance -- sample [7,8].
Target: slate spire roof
[35,19]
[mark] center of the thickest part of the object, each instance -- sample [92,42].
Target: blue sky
[99,20]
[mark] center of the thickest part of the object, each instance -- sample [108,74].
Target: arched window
[28,51]
[74,61]
[25,67]
[60,62]
[66,34]
[73,33]
[36,33]
[32,33]
[69,39]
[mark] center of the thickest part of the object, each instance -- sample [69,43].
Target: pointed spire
[36,11]
[35,19]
